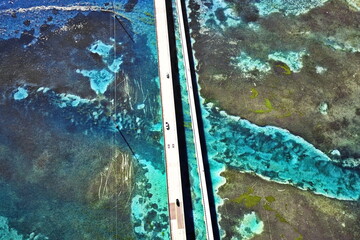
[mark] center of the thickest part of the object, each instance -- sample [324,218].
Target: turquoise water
[250,226]
[277,155]
[288,7]
[20,94]
[101,79]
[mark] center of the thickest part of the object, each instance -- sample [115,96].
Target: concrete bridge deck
[172,156]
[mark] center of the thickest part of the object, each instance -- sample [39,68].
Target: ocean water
[250,226]
[277,155]
[69,74]
[271,153]
[20,94]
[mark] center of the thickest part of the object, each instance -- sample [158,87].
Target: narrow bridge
[172,155]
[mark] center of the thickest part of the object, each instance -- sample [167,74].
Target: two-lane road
[172,156]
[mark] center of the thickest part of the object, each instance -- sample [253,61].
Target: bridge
[172,155]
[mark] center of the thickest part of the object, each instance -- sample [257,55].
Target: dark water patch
[55,11]
[49,163]
[45,27]
[49,176]
[27,36]
[68,112]
[219,13]
[27,22]
[55,67]
[129,6]
[245,9]
[59,146]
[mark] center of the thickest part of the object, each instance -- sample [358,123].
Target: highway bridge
[172,154]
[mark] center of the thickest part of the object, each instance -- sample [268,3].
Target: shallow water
[246,111]
[70,72]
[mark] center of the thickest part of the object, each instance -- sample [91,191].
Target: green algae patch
[300,237]
[254,93]
[281,209]
[270,199]
[148,14]
[148,18]
[148,21]
[247,199]
[285,115]
[267,104]
[262,111]
[281,218]
[285,67]
[187,124]
[267,207]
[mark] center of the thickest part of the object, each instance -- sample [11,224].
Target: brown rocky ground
[287,212]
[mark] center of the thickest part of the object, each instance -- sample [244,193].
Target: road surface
[172,156]
[194,123]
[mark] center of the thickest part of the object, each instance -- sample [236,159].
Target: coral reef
[280,86]
[295,62]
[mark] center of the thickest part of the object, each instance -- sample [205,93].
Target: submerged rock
[323,108]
